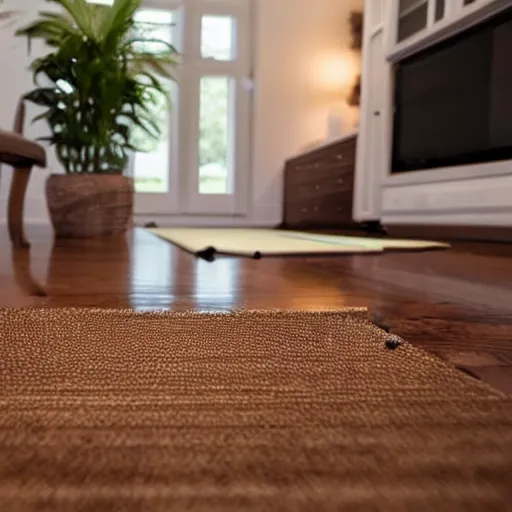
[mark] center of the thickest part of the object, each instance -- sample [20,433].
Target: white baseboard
[451,219]
[30,221]
[201,221]
[266,216]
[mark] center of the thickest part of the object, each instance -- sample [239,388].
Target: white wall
[301,59]
[302,69]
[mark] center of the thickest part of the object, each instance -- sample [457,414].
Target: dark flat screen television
[453,102]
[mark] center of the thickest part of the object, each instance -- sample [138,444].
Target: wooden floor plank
[456,303]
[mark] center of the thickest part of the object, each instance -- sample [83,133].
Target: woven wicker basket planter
[87,205]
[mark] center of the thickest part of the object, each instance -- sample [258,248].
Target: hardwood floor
[455,303]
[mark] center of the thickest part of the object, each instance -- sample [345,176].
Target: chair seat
[18,151]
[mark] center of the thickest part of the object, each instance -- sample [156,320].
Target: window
[219,132]
[217,38]
[216,135]
[201,162]
[150,169]
[412,17]
[440,8]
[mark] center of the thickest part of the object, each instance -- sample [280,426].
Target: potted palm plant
[99,83]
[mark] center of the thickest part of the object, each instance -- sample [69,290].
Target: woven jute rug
[116,410]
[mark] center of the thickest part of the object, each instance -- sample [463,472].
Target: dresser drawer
[334,155]
[332,209]
[295,178]
[298,212]
[319,186]
[326,162]
[343,156]
[335,181]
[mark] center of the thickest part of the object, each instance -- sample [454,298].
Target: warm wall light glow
[337,72]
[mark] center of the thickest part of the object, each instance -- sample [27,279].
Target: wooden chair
[22,155]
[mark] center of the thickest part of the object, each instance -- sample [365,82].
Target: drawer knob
[315,208]
[304,210]
[340,181]
[317,187]
[339,157]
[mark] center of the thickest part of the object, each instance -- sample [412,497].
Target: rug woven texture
[115,410]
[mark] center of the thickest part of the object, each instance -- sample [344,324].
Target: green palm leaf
[80,12]
[101,82]
[162,65]
[118,20]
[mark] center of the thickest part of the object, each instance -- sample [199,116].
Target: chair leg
[19,184]
[23,274]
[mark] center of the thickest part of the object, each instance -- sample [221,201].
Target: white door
[201,165]
[376,156]
[154,170]
[374,140]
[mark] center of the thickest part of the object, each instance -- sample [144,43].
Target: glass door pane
[218,38]
[216,114]
[216,139]
[220,153]
[412,17]
[150,168]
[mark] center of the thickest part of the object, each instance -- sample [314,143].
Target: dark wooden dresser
[319,186]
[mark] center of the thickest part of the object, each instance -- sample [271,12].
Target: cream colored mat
[272,242]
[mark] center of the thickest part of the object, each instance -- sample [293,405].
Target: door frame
[167,202]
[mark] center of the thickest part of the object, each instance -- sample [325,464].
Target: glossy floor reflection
[455,303]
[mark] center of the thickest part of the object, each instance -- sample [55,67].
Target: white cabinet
[417,16]
[437,196]
[416,24]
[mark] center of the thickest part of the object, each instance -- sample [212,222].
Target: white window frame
[167,202]
[240,70]
[183,195]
